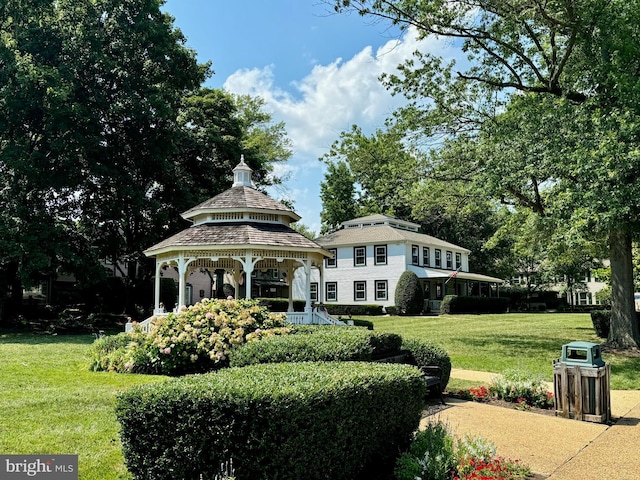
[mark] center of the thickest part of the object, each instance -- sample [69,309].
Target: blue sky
[317,71]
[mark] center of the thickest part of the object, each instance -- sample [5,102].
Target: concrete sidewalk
[555,448]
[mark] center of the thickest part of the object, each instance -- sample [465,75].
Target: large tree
[565,68]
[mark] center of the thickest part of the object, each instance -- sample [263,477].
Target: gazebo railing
[312,318]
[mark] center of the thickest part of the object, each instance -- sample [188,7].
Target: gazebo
[237,232]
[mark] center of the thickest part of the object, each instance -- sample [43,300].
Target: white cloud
[328,101]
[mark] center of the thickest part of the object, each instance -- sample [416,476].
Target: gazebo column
[248,263]
[290,273]
[182,280]
[237,277]
[156,308]
[307,272]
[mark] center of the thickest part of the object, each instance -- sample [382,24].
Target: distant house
[370,253]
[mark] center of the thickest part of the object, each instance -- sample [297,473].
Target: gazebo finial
[242,174]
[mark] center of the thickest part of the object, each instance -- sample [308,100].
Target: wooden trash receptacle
[582,392]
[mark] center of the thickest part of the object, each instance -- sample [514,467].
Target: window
[331,292]
[380,254]
[458,260]
[450,260]
[332,262]
[314,292]
[359,256]
[359,291]
[426,260]
[415,255]
[439,291]
[582,299]
[275,273]
[381,290]
[427,291]
[438,258]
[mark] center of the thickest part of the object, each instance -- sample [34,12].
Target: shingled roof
[241,198]
[236,234]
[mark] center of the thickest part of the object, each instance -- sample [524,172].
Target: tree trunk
[624,325]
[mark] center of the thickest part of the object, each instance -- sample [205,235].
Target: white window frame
[332,262]
[449,258]
[360,291]
[313,292]
[438,257]
[382,293]
[458,260]
[357,256]
[426,256]
[331,291]
[382,254]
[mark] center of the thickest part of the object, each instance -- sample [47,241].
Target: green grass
[496,343]
[51,403]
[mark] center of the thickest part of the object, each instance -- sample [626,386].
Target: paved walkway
[555,448]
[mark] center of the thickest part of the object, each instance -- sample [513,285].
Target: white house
[370,253]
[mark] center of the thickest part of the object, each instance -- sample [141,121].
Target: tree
[570,65]
[338,197]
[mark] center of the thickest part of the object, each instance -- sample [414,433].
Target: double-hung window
[331,291]
[382,288]
[332,262]
[458,260]
[359,256]
[380,254]
[438,254]
[426,260]
[450,260]
[415,255]
[314,291]
[359,291]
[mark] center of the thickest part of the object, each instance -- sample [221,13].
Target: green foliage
[409,297]
[424,353]
[337,193]
[453,304]
[431,455]
[601,320]
[318,343]
[339,310]
[352,419]
[282,304]
[197,339]
[522,387]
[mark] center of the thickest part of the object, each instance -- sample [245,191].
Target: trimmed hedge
[601,320]
[284,421]
[362,323]
[409,297]
[318,343]
[423,353]
[463,304]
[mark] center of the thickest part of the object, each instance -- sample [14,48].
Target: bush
[452,304]
[522,388]
[346,310]
[601,320]
[409,296]
[431,455]
[281,304]
[197,339]
[423,353]
[318,343]
[285,421]
[362,323]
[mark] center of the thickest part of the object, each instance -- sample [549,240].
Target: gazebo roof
[240,199]
[225,235]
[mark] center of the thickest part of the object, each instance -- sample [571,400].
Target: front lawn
[496,343]
[52,404]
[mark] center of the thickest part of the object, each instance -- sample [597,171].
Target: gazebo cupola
[237,232]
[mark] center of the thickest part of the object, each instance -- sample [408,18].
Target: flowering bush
[197,339]
[434,455]
[522,388]
[494,468]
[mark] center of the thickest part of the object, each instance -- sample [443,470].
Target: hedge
[463,304]
[601,320]
[409,296]
[423,353]
[282,421]
[318,343]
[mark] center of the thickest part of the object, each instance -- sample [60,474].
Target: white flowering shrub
[197,339]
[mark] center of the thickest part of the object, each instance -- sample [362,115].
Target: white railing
[312,318]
